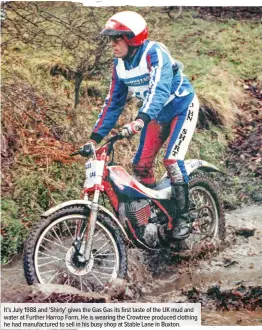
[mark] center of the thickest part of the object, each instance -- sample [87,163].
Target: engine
[138,212]
[144,217]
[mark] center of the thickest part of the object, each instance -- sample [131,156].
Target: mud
[228,282]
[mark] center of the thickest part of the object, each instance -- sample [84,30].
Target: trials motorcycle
[83,244]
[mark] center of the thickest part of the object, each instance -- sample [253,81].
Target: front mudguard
[88,204]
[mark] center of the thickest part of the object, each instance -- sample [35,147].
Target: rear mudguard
[191,166]
[198,164]
[82,202]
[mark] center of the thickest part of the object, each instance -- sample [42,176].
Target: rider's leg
[181,132]
[151,140]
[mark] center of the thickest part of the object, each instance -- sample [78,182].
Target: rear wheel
[207,213]
[49,256]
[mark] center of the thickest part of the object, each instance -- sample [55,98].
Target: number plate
[94,172]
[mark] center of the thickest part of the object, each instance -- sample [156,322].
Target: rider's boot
[180,192]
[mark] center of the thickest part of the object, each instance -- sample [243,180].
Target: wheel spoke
[44,247]
[48,256]
[58,272]
[50,262]
[99,231]
[69,231]
[49,271]
[81,283]
[86,285]
[98,280]
[58,238]
[101,248]
[62,246]
[107,260]
[103,254]
[105,267]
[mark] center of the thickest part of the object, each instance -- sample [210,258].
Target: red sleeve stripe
[148,59]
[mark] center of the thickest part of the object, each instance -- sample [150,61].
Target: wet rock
[231,263]
[129,294]
[257,196]
[237,294]
[193,294]
[214,291]
[143,290]
[116,289]
[246,232]
[242,297]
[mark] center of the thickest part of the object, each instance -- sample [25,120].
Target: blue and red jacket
[154,77]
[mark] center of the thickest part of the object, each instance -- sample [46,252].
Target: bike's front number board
[94,172]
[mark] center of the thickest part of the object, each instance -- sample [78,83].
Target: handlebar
[110,141]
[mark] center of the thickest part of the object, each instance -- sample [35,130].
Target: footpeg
[182,230]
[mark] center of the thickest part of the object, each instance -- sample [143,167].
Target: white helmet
[128,24]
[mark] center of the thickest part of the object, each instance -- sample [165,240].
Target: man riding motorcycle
[169,111]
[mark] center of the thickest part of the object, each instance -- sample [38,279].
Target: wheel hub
[204,219]
[75,266]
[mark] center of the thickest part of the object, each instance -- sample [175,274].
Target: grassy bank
[40,126]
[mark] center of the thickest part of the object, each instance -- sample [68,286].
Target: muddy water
[238,263]
[250,318]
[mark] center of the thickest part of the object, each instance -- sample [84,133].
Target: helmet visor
[111,32]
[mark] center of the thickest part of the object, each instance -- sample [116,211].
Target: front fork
[84,240]
[91,226]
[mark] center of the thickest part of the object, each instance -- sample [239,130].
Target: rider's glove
[132,128]
[88,148]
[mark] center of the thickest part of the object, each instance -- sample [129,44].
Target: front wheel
[207,214]
[49,256]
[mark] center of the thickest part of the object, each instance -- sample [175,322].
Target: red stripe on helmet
[138,39]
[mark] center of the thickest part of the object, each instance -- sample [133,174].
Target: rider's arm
[161,76]
[112,108]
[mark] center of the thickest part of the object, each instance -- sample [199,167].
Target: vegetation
[55,74]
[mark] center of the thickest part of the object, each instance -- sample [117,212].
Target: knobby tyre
[208,212]
[49,255]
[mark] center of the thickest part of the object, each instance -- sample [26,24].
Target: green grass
[209,145]
[35,190]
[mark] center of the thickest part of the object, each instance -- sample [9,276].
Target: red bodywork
[106,187]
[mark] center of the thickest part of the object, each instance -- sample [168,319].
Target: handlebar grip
[75,153]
